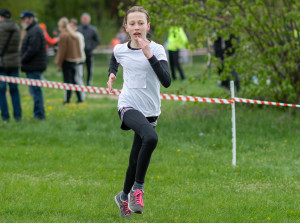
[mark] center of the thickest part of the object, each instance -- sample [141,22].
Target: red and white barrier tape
[99,90]
[58,85]
[258,102]
[74,87]
[193,98]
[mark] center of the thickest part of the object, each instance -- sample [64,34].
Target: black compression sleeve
[161,68]
[113,65]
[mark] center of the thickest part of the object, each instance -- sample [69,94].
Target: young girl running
[145,66]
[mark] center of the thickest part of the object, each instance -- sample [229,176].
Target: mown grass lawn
[69,167]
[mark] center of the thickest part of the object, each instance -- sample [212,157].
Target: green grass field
[69,167]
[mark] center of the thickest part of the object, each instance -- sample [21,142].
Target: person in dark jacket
[219,48]
[225,48]
[11,62]
[34,59]
[91,40]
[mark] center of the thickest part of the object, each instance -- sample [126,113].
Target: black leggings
[144,143]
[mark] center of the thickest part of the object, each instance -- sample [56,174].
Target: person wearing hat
[10,58]
[34,59]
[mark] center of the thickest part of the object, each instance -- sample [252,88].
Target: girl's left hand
[144,44]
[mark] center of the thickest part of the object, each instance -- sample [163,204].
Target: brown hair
[64,23]
[136,9]
[74,21]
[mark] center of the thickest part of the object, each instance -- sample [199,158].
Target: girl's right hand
[110,82]
[144,44]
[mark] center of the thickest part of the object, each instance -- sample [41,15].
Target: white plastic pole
[233,125]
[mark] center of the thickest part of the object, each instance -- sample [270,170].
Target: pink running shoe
[136,203]
[123,206]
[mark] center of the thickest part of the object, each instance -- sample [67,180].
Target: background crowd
[27,49]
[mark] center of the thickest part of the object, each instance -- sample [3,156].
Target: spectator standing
[122,36]
[10,58]
[219,49]
[225,48]
[55,33]
[91,39]
[230,48]
[115,41]
[80,63]
[177,39]
[34,59]
[67,56]
[49,40]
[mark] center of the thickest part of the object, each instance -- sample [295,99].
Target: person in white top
[145,67]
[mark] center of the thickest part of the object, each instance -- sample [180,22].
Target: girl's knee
[151,138]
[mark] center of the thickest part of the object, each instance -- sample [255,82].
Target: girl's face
[137,26]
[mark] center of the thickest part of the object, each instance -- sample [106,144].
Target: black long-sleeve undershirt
[160,67]
[113,65]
